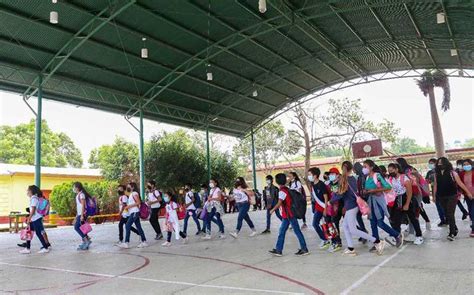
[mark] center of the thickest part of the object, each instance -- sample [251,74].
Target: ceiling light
[262,6]
[209,76]
[454,52]
[255,93]
[144,51]
[55,1]
[53,17]
[440,18]
[214,119]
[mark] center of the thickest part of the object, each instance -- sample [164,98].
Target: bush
[63,201]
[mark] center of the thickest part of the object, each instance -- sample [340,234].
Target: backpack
[43,206]
[298,204]
[389,196]
[144,210]
[197,201]
[91,206]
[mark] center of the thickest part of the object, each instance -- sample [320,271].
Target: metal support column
[254,171]
[208,155]
[39,112]
[142,157]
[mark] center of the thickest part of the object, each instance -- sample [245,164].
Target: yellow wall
[13,189]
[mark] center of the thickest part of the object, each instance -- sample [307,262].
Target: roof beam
[448,25]
[419,35]
[352,29]
[79,38]
[389,35]
[357,69]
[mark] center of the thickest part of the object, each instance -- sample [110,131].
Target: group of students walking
[396,192]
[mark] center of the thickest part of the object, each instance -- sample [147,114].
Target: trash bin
[53,217]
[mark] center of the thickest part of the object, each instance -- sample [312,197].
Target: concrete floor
[240,266]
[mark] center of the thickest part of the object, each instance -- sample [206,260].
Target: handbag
[85,228]
[361,203]
[26,234]
[203,214]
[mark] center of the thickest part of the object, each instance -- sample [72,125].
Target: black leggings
[122,222]
[155,212]
[397,213]
[181,234]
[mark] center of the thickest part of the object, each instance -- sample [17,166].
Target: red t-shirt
[284,195]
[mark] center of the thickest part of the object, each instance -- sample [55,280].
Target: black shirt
[445,184]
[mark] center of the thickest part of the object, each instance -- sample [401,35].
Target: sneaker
[206,237]
[465,216]
[23,245]
[159,237]
[442,224]
[373,249]
[267,231]
[379,247]
[451,237]
[334,248]
[166,244]
[123,245]
[399,240]
[428,226]
[234,235]
[275,252]
[25,251]
[43,251]
[410,238]
[198,233]
[222,236]
[88,242]
[302,252]
[142,245]
[253,234]
[118,243]
[82,247]
[304,226]
[418,241]
[363,241]
[348,252]
[391,240]
[324,245]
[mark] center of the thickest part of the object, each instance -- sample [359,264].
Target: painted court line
[93,274]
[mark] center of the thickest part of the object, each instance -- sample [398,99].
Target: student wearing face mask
[430,175]
[189,201]
[203,194]
[214,209]
[123,200]
[295,184]
[333,187]
[154,201]
[81,197]
[172,221]
[270,199]
[459,170]
[320,198]
[133,208]
[467,177]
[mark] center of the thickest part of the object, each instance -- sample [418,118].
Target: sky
[397,100]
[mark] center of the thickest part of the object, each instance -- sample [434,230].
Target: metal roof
[12,169]
[260,62]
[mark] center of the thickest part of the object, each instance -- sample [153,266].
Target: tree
[468,143]
[17,146]
[406,145]
[118,162]
[272,142]
[427,82]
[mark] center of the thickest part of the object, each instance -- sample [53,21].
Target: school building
[15,179]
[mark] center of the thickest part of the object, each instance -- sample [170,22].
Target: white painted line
[149,280]
[371,272]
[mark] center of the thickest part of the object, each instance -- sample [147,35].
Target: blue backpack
[91,206]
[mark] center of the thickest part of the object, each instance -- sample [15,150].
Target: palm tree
[428,81]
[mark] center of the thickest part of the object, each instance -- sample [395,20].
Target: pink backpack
[144,211]
[390,196]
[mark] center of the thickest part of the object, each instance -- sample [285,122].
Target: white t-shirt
[34,203]
[123,199]
[296,185]
[80,196]
[152,198]
[240,196]
[131,201]
[188,199]
[172,214]
[214,192]
[281,195]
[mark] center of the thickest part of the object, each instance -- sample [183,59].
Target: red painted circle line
[283,277]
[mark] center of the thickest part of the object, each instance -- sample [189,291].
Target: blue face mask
[467,167]
[431,166]
[332,177]
[166,199]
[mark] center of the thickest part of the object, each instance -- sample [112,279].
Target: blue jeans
[215,217]
[38,228]
[374,223]
[243,208]
[134,218]
[442,217]
[317,216]
[470,207]
[194,216]
[77,226]
[285,223]
[269,216]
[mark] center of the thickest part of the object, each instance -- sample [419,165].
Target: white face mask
[311,178]
[211,185]
[269,182]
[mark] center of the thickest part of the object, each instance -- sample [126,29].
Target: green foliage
[17,146]
[406,145]
[436,78]
[468,143]
[63,201]
[118,162]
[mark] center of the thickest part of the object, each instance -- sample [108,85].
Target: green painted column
[39,112]
[208,155]
[142,157]
[254,170]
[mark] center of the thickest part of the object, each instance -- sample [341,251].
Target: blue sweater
[349,197]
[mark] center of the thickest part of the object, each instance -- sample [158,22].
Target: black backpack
[298,204]
[197,201]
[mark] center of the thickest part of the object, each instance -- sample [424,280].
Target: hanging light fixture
[262,6]
[454,52]
[440,18]
[144,51]
[255,93]
[55,1]
[53,17]
[209,75]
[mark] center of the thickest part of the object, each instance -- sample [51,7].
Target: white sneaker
[43,251]
[428,226]
[25,251]
[123,245]
[379,247]
[348,252]
[410,238]
[418,241]
[234,235]
[142,245]
[206,237]
[118,244]
[324,245]
[166,244]
[222,236]
[253,234]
